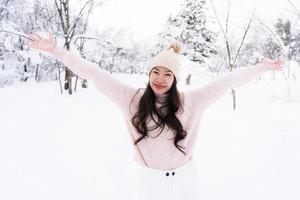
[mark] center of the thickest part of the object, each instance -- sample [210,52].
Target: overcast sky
[146,17]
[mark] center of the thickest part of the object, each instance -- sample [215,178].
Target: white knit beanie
[169,58]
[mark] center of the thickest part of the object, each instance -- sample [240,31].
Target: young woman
[162,122]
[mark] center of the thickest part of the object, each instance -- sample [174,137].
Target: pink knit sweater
[158,152]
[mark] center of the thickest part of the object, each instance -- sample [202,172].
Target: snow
[62,147]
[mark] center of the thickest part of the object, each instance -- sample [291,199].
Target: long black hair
[147,108]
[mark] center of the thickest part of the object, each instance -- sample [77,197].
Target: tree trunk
[63,11]
[232,61]
[36,72]
[68,80]
[84,83]
[59,78]
[76,81]
[62,7]
[233,98]
[188,79]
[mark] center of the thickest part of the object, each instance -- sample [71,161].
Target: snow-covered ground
[64,147]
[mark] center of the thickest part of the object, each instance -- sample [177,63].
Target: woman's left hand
[275,65]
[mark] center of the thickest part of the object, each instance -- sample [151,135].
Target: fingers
[28,41]
[34,45]
[273,62]
[278,65]
[31,41]
[279,62]
[34,37]
[28,38]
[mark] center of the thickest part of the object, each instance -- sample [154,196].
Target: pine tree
[283,29]
[190,27]
[295,45]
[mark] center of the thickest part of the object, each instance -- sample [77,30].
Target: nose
[160,79]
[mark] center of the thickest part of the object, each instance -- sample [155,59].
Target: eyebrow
[158,70]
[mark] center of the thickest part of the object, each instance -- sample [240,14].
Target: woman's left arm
[210,93]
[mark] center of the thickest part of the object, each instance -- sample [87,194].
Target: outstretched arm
[210,93]
[119,92]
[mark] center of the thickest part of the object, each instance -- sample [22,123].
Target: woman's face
[161,79]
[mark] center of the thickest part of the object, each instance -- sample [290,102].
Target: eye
[155,72]
[168,74]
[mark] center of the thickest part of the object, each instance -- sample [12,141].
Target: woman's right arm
[119,92]
[83,68]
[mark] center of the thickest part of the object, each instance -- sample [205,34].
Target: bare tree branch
[273,34]
[215,12]
[72,29]
[59,9]
[227,17]
[88,38]
[24,36]
[227,42]
[295,8]
[244,36]
[224,33]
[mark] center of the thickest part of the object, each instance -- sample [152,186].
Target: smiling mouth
[159,86]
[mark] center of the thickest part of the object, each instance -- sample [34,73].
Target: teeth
[158,86]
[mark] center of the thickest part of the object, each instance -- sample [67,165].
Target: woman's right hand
[38,42]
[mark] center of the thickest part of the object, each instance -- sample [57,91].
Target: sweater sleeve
[210,93]
[117,91]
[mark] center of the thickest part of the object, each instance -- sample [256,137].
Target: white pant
[178,184]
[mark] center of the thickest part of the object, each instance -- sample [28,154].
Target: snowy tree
[15,25]
[295,45]
[283,29]
[190,27]
[272,49]
[229,46]
[12,24]
[69,26]
[115,51]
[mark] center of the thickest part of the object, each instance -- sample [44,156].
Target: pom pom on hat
[176,46]
[169,58]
